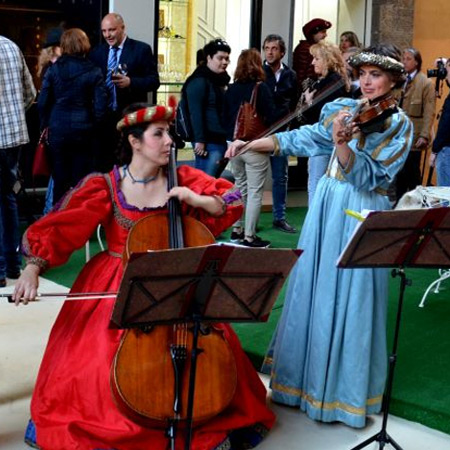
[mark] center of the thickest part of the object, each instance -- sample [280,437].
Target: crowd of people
[329,360]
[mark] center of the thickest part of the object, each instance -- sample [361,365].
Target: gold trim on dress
[325,405]
[276,145]
[68,196]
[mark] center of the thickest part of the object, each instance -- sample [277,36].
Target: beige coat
[419,102]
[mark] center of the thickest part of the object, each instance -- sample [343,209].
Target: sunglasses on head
[221,42]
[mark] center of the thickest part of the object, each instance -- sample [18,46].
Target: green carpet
[421,389]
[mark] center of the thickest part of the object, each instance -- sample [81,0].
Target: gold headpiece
[372,59]
[147,115]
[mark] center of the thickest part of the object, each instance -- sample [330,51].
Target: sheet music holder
[215,283]
[404,238]
[398,239]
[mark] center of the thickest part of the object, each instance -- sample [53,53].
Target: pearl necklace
[146,180]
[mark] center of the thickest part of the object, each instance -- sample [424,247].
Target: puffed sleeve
[382,156]
[317,139]
[203,184]
[51,240]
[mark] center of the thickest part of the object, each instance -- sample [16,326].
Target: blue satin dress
[328,355]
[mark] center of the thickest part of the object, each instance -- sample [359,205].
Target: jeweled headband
[147,115]
[372,59]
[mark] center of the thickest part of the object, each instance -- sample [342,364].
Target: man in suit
[130,73]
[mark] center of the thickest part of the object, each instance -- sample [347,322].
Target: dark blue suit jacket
[142,70]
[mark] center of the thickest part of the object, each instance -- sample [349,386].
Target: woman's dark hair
[214,46]
[124,150]
[249,66]
[416,55]
[394,52]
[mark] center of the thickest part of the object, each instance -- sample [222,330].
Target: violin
[370,112]
[150,372]
[367,117]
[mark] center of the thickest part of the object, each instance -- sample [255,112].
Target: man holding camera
[440,156]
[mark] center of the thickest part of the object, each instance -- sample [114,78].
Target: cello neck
[175,220]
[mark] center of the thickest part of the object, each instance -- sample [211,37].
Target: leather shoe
[282,225]
[2,282]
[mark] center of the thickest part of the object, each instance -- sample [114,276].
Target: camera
[440,72]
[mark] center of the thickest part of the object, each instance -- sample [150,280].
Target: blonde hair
[47,55]
[333,60]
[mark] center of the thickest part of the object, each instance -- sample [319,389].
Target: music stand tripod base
[398,239]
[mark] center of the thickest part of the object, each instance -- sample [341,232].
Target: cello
[151,371]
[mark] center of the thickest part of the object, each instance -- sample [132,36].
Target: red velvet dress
[72,406]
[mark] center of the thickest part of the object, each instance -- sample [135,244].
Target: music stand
[399,239]
[216,283]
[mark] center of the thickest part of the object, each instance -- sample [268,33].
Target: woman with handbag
[248,111]
[72,102]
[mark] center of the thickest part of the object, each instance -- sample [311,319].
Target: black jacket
[73,96]
[442,138]
[204,91]
[312,114]
[284,91]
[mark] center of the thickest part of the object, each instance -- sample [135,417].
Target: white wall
[352,17]
[238,29]
[277,18]
[306,10]
[138,16]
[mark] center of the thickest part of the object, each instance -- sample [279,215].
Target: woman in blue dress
[328,355]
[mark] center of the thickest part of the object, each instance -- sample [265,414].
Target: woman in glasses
[204,91]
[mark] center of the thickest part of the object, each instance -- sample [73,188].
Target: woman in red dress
[72,406]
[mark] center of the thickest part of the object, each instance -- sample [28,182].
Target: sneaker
[237,238]
[257,242]
[282,225]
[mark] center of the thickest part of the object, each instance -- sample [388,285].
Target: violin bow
[292,115]
[67,296]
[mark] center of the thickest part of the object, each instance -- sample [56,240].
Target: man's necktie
[112,68]
[406,86]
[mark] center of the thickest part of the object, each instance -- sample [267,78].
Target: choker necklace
[146,180]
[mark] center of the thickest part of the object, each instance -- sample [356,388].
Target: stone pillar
[393,22]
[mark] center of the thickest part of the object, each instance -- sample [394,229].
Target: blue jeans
[10,260]
[210,163]
[443,167]
[317,165]
[279,166]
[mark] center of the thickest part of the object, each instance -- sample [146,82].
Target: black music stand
[399,239]
[216,283]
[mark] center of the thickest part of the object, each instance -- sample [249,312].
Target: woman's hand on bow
[26,287]
[234,148]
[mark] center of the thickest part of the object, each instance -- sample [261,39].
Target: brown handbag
[249,124]
[41,166]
